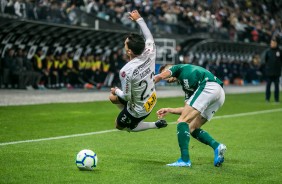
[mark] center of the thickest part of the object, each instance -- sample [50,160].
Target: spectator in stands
[43,10]
[72,15]
[54,71]
[191,16]
[62,70]
[8,61]
[255,70]
[63,13]
[55,13]
[9,8]
[104,70]
[39,67]
[80,66]
[178,55]
[31,10]
[111,70]
[35,76]
[19,72]
[72,72]
[273,64]
[89,71]
[3,5]
[98,70]
[116,63]
[255,35]
[20,8]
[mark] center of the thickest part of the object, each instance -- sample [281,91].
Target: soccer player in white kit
[137,96]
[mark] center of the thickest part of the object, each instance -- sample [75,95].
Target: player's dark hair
[163,67]
[136,43]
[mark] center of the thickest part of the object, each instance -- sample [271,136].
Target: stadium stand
[219,35]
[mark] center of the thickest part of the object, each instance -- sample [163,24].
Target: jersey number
[143,96]
[150,103]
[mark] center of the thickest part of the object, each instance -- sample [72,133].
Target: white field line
[56,138]
[114,130]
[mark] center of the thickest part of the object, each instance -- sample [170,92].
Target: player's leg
[205,138]
[117,101]
[161,123]
[276,89]
[125,121]
[201,135]
[208,102]
[267,89]
[183,135]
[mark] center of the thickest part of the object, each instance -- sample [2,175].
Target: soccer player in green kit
[204,95]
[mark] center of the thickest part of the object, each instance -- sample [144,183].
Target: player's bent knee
[180,119]
[114,99]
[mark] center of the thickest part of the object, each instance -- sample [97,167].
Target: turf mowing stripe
[114,130]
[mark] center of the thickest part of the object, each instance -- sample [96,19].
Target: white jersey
[137,85]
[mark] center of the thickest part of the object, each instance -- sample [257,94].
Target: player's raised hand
[134,15]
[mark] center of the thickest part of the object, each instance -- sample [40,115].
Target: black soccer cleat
[161,123]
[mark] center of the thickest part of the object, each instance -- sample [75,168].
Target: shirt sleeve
[125,91]
[173,70]
[145,31]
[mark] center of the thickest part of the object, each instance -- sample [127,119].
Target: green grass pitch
[253,140]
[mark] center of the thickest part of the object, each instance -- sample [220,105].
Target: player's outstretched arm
[164,75]
[135,16]
[164,111]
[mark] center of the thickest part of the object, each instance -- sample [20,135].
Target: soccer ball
[86,160]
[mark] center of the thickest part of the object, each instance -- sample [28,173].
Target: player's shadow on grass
[148,162]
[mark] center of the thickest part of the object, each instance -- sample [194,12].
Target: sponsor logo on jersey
[146,72]
[186,85]
[123,74]
[141,67]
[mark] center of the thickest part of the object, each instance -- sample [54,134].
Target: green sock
[204,137]
[183,136]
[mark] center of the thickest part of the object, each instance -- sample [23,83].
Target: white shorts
[207,100]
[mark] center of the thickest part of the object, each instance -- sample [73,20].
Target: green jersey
[191,77]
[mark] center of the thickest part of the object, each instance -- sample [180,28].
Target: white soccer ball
[86,160]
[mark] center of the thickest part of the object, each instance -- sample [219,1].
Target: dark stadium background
[227,37]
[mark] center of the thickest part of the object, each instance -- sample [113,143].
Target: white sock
[144,126]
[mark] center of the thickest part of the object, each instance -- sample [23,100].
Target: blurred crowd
[238,71]
[241,20]
[59,70]
[237,20]
[94,71]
